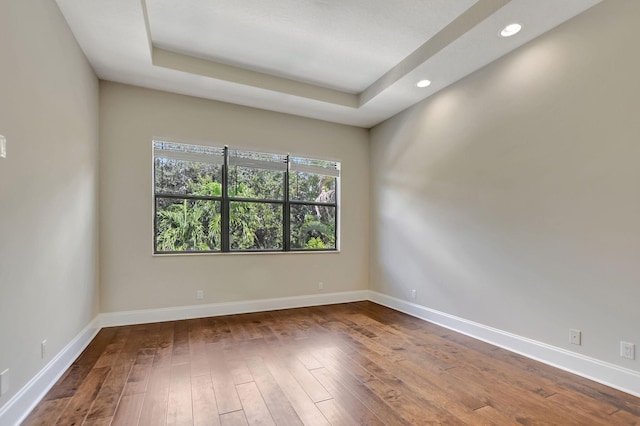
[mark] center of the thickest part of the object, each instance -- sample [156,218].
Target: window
[312,203]
[210,199]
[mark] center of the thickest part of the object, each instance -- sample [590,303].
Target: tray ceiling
[349,61]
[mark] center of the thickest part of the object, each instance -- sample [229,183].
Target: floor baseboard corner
[605,373]
[20,405]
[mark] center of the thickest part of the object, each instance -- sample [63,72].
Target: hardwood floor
[349,364]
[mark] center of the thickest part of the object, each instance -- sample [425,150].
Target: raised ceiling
[349,61]
[345,45]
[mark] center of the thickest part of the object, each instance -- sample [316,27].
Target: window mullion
[225,208]
[336,222]
[155,219]
[286,211]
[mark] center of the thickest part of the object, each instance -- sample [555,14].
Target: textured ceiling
[349,61]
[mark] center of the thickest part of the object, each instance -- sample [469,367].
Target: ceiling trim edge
[445,37]
[204,67]
[207,68]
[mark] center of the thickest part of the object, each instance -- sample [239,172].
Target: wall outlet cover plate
[627,350]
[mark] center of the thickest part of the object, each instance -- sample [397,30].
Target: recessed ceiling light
[511,29]
[423,83]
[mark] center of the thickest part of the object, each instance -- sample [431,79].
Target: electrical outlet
[414,293]
[320,286]
[4,382]
[200,294]
[627,350]
[3,147]
[43,349]
[575,337]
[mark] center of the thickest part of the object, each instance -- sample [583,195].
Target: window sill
[236,253]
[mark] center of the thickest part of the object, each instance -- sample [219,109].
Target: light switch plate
[575,337]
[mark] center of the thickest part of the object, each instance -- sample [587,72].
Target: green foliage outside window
[189,208]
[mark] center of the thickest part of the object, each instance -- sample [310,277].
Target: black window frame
[225,202]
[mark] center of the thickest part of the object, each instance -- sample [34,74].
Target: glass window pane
[255,226]
[311,165]
[312,187]
[187,177]
[246,182]
[187,225]
[313,227]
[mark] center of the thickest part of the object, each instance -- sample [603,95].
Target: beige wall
[48,188]
[131,278]
[513,197]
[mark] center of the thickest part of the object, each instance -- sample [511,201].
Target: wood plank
[255,409]
[181,353]
[77,409]
[102,421]
[121,364]
[71,380]
[285,352]
[234,418]
[47,412]
[154,407]
[310,384]
[239,370]
[113,349]
[348,401]
[336,414]
[299,399]
[282,354]
[218,331]
[597,409]
[238,331]
[179,408]
[250,323]
[279,406]
[205,407]
[164,345]
[622,417]
[223,385]
[197,352]
[287,327]
[357,387]
[490,416]
[308,360]
[128,411]
[139,375]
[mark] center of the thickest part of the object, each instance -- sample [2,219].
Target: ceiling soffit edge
[207,68]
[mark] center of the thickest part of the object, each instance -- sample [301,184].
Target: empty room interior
[319,212]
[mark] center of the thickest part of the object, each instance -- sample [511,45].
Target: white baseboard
[21,404]
[599,371]
[112,319]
